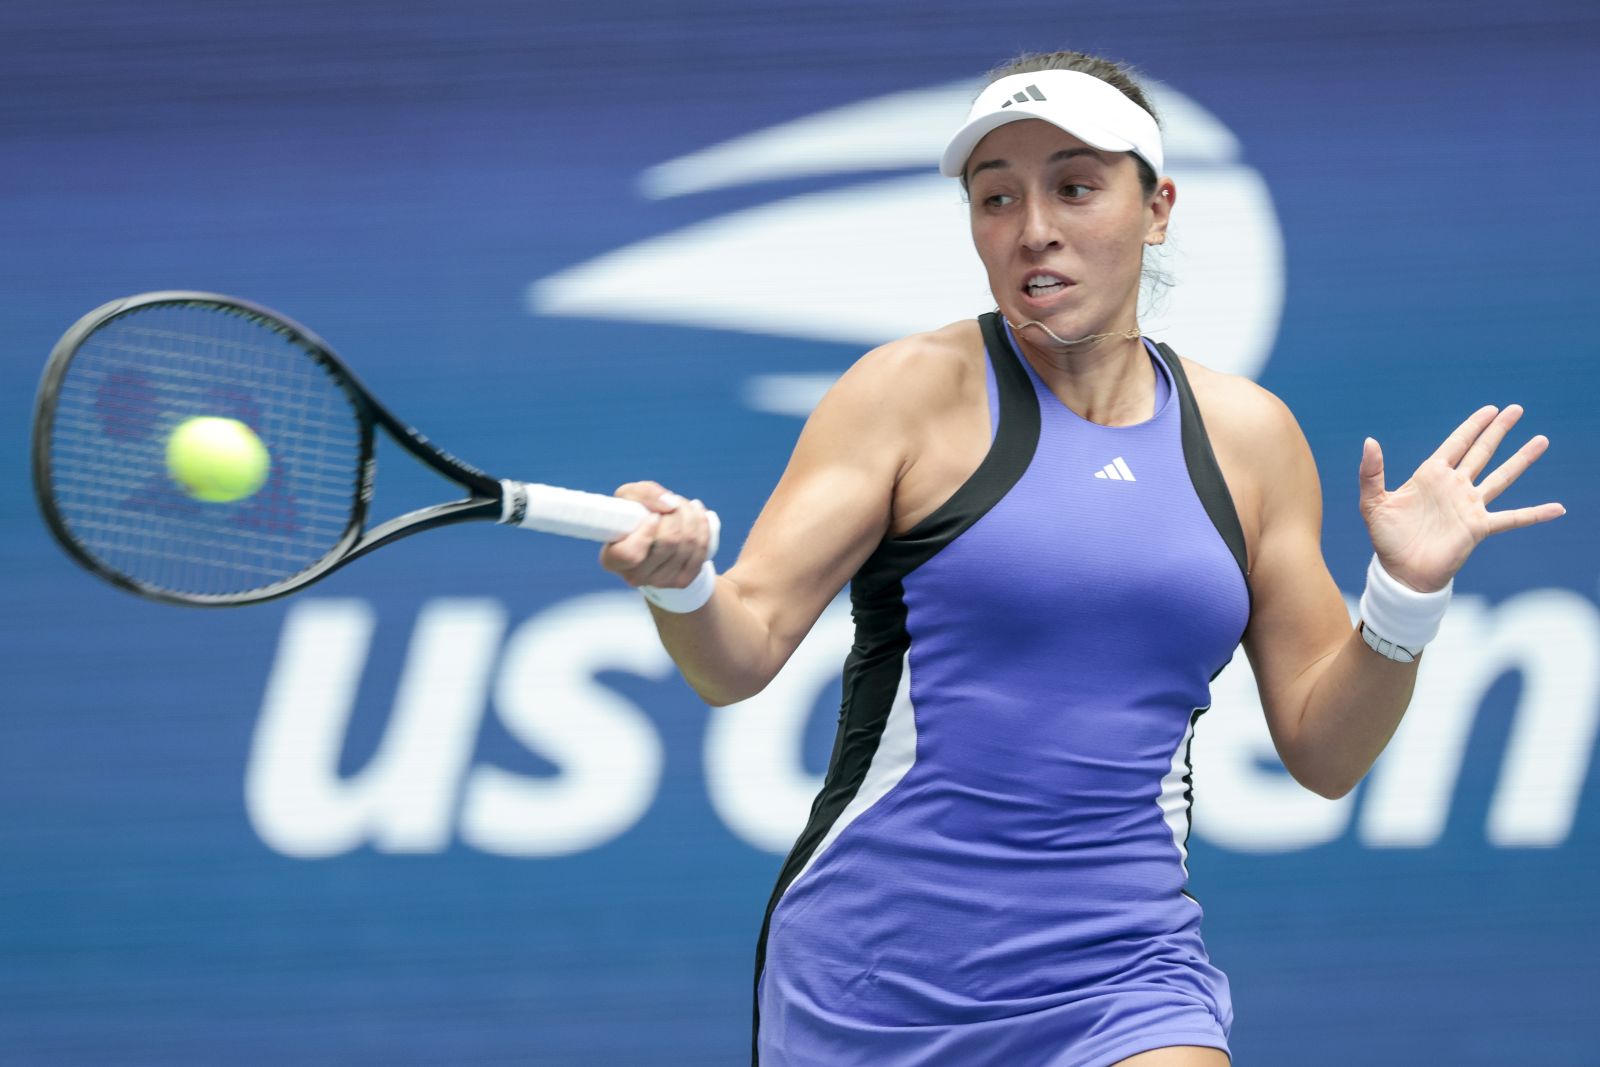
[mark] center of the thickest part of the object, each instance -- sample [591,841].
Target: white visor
[1093,111]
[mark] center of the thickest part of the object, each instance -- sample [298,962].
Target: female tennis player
[1056,533]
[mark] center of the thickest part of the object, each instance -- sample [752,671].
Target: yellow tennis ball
[217,459]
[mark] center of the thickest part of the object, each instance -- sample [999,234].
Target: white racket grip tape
[573,513]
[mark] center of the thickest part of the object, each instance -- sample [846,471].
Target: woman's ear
[1166,195]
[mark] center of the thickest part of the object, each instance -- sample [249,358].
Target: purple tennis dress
[994,871]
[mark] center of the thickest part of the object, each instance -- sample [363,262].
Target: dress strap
[1203,469]
[1007,460]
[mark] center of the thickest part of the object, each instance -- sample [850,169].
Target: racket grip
[573,513]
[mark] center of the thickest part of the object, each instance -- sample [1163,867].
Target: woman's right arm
[829,511]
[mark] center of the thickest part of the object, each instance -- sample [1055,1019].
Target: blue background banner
[454,804]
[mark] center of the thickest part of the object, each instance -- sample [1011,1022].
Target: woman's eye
[998,199]
[1075,192]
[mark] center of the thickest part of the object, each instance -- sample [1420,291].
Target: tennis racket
[129,373]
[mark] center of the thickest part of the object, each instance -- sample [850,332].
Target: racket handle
[572,513]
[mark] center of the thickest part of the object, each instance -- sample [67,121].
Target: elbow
[734,677]
[1325,782]
[1337,791]
[720,693]
[1327,786]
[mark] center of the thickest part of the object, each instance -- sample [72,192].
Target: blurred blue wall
[543,235]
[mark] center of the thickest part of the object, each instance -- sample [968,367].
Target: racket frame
[484,503]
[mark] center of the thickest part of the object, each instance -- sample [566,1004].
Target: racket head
[126,375]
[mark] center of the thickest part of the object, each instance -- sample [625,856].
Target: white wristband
[1399,615]
[691,597]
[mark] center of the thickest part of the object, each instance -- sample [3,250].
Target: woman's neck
[1109,381]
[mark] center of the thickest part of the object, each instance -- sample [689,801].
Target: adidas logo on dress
[1117,470]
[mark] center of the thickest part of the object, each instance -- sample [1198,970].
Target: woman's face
[1061,227]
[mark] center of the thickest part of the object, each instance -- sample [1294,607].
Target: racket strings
[134,381]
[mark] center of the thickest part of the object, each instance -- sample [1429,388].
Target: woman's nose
[1038,226]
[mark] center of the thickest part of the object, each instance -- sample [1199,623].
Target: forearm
[1353,709]
[724,650]
[1332,702]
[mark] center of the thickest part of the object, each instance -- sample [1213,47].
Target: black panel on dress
[1203,469]
[1007,460]
[871,678]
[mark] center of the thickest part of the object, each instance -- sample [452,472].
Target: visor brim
[953,163]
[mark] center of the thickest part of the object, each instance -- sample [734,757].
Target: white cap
[1095,112]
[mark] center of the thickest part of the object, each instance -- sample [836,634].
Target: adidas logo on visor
[1022,97]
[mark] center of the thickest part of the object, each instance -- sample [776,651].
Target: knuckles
[640,492]
[669,554]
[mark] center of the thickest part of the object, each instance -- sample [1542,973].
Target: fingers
[1371,473]
[681,545]
[1484,446]
[668,547]
[651,495]
[700,523]
[1508,472]
[1513,468]
[1500,521]
[627,554]
[1455,446]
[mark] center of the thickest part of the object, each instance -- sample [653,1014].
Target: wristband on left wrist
[1396,620]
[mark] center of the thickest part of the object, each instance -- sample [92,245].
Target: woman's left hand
[1425,530]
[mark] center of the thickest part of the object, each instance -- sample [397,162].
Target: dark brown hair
[1118,75]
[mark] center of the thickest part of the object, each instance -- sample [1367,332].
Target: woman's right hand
[667,549]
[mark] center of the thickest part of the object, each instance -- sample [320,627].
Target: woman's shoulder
[920,372]
[949,350]
[1257,442]
[1237,409]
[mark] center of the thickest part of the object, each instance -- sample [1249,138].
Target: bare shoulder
[1248,422]
[915,410]
[1259,447]
[918,370]
[881,410]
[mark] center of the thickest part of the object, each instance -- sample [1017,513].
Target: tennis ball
[217,459]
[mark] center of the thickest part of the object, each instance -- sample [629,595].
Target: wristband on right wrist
[691,597]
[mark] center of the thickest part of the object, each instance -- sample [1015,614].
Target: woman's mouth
[1042,285]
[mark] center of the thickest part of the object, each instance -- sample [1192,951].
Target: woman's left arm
[1332,702]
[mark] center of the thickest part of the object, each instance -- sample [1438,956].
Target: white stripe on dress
[1174,805]
[897,751]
